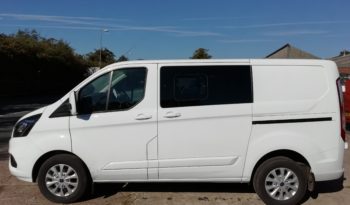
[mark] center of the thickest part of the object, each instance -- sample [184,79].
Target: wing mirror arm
[73,103]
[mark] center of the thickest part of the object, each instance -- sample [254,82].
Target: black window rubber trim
[321,119]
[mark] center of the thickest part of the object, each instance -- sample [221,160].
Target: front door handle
[172,114]
[143,117]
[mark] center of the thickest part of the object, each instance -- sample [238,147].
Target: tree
[122,58]
[201,53]
[344,53]
[107,57]
[33,65]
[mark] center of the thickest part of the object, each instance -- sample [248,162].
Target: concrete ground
[13,191]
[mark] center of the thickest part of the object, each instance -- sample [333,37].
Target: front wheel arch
[50,154]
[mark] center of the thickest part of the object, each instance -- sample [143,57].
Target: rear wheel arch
[281,180]
[293,155]
[48,155]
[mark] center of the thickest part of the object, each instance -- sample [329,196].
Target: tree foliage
[201,53]
[32,64]
[122,58]
[344,53]
[107,57]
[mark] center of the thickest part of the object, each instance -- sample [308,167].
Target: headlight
[23,127]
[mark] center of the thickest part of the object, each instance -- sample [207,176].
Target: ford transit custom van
[277,124]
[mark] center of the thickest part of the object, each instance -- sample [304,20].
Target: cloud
[246,40]
[336,35]
[213,18]
[90,21]
[283,24]
[52,27]
[72,19]
[93,23]
[164,29]
[296,32]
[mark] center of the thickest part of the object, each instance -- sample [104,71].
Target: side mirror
[84,105]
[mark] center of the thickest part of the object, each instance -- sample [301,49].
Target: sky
[164,29]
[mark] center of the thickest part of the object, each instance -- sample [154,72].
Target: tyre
[280,180]
[63,179]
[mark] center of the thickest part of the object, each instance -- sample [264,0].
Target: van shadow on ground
[106,190]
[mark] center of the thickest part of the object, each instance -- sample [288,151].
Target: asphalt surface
[13,191]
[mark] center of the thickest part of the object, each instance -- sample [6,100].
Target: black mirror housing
[84,105]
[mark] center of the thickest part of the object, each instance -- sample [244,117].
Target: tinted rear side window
[205,85]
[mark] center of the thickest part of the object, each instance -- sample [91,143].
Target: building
[289,51]
[343,63]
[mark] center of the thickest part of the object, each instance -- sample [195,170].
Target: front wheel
[63,179]
[281,180]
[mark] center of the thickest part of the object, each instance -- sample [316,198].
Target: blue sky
[164,29]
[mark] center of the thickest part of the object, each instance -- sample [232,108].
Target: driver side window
[127,88]
[121,91]
[93,96]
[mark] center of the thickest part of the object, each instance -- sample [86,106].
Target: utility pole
[101,32]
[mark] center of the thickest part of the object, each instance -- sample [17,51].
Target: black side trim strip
[293,120]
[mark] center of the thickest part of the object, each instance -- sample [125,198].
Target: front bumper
[25,155]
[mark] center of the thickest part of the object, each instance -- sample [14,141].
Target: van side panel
[291,90]
[296,108]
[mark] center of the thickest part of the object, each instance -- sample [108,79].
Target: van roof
[235,61]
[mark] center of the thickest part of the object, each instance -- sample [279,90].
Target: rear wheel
[63,179]
[281,180]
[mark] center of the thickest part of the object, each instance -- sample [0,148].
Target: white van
[275,123]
